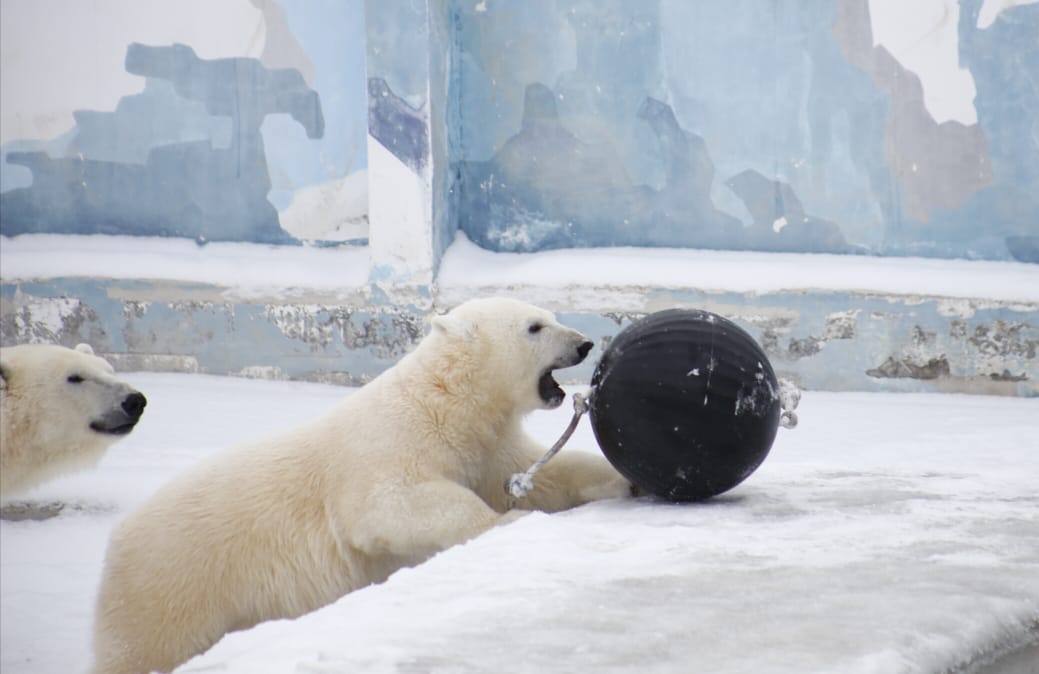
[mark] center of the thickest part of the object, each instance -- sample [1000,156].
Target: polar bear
[60,409]
[410,464]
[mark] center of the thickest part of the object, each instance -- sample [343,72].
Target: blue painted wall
[736,124]
[775,125]
[213,148]
[739,124]
[332,32]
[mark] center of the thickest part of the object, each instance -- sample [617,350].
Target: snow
[467,266]
[336,210]
[886,533]
[244,268]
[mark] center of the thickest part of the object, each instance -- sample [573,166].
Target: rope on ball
[789,397]
[520,484]
[684,403]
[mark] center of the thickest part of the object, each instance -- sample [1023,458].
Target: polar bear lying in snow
[412,463]
[60,409]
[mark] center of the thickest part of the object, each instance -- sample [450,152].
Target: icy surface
[242,266]
[466,266]
[246,267]
[887,533]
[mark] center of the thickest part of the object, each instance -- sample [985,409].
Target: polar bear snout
[121,420]
[576,356]
[134,404]
[549,390]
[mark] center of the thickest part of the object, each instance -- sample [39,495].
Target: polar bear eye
[535,328]
[75,379]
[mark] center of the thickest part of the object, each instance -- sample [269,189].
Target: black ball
[685,404]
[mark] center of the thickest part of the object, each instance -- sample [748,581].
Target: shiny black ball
[685,404]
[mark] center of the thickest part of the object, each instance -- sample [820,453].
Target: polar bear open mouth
[550,390]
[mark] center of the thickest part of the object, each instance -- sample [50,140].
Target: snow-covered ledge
[829,322]
[243,271]
[717,271]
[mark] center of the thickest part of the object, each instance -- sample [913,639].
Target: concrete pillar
[400,157]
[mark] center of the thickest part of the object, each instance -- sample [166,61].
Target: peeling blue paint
[189,189]
[657,128]
[398,126]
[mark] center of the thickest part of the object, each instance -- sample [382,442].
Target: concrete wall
[233,121]
[845,126]
[855,127]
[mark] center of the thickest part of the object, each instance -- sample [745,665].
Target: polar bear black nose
[134,404]
[584,349]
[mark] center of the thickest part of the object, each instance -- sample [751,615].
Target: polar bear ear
[85,348]
[453,326]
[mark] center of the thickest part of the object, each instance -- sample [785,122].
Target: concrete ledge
[842,335]
[823,340]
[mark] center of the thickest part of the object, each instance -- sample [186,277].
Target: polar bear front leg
[573,479]
[415,522]
[570,479]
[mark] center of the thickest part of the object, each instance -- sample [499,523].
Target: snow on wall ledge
[830,323]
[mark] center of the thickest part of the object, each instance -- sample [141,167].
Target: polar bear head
[515,347]
[61,408]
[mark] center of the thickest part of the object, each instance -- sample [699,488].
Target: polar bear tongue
[550,391]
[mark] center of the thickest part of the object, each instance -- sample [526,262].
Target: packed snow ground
[887,533]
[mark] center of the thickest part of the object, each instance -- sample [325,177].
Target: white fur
[45,419]
[414,462]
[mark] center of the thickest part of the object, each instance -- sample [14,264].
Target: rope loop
[789,397]
[520,484]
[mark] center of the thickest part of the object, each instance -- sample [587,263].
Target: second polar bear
[60,409]
[412,463]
